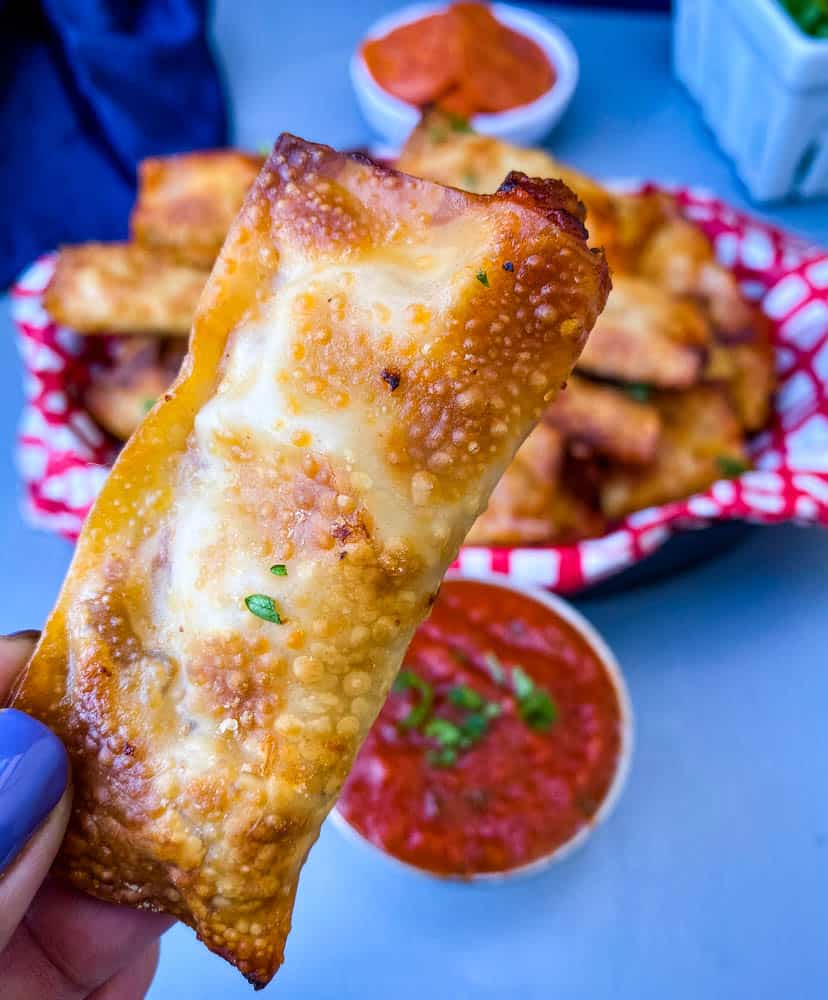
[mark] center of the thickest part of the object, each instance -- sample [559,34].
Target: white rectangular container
[763,88]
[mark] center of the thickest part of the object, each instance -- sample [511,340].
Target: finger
[15,651]
[34,811]
[88,940]
[132,982]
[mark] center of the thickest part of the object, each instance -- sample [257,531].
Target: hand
[55,944]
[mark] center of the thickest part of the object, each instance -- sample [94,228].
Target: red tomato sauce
[520,791]
[461,59]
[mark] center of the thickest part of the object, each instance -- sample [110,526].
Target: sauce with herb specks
[499,742]
[461,59]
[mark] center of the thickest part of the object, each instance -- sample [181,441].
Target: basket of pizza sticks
[701,395]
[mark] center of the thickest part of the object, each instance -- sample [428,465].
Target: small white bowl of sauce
[411,63]
[506,740]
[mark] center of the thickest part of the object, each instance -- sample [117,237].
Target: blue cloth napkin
[89,88]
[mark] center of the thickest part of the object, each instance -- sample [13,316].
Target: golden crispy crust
[352,393]
[440,150]
[520,507]
[533,503]
[122,288]
[120,395]
[645,335]
[605,420]
[186,203]
[701,440]
[748,370]
[680,258]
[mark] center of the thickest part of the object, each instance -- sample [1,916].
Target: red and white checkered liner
[64,457]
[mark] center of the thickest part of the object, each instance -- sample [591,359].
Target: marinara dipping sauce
[461,59]
[500,742]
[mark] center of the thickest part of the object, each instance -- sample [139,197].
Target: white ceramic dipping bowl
[606,656]
[394,120]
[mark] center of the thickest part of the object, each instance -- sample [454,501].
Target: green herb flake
[483,278]
[730,467]
[408,680]
[147,405]
[279,569]
[465,697]
[437,135]
[445,732]
[535,705]
[263,607]
[470,179]
[458,123]
[638,391]
[538,710]
[495,668]
[444,757]
[473,729]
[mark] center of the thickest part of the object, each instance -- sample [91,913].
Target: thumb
[34,799]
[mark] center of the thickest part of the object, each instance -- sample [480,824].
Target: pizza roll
[187,202]
[443,148]
[122,288]
[679,257]
[534,503]
[520,507]
[647,336]
[748,369]
[605,420]
[368,354]
[701,441]
[120,394]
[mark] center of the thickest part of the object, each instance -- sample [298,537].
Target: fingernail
[26,633]
[34,770]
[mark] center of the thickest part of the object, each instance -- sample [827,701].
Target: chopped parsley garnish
[538,710]
[458,123]
[279,569]
[437,134]
[535,705]
[263,607]
[408,680]
[508,266]
[147,405]
[730,467]
[446,733]
[638,391]
[456,737]
[465,697]
[470,179]
[451,737]
[473,729]
[483,278]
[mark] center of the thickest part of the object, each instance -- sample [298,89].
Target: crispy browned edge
[191,220]
[241,272]
[136,290]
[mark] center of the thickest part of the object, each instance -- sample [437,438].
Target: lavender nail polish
[34,770]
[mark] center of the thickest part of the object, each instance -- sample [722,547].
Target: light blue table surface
[711,880]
